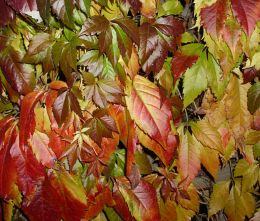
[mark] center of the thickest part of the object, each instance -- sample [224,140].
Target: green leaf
[195,81]
[170,7]
[214,76]
[112,214]
[253,95]
[219,197]
[239,204]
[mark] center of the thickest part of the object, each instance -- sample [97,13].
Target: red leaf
[44,204]
[170,26]
[249,74]
[7,164]
[127,133]
[56,143]
[142,200]
[4,125]
[71,195]
[246,13]
[152,50]
[135,5]
[121,206]
[30,172]
[20,76]
[6,13]
[22,6]
[27,121]
[100,199]
[39,144]
[180,63]
[213,17]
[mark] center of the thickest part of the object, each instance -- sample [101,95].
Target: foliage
[129,110]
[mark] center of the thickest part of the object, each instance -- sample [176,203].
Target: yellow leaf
[237,115]
[207,134]
[148,8]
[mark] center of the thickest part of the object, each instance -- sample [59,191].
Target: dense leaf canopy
[141,110]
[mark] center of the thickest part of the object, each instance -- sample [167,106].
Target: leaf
[71,193]
[135,5]
[219,197]
[148,8]
[246,13]
[127,133]
[61,107]
[39,51]
[39,143]
[210,160]
[129,28]
[188,158]
[101,125]
[6,14]
[207,134]
[93,61]
[30,173]
[64,10]
[141,201]
[27,121]
[237,114]
[253,95]
[240,204]
[112,214]
[152,50]
[23,5]
[150,112]
[170,7]
[44,9]
[180,63]
[102,198]
[94,25]
[44,204]
[195,81]
[103,91]
[19,75]
[7,169]
[213,17]
[170,26]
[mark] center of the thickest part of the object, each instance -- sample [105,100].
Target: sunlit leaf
[246,13]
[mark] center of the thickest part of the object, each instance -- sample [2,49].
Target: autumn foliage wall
[129,110]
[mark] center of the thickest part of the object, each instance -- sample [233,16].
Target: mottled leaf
[150,112]
[94,25]
[142,201]
[180,63]
[189,158]
[213,17]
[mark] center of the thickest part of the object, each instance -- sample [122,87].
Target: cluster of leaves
[129,110]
